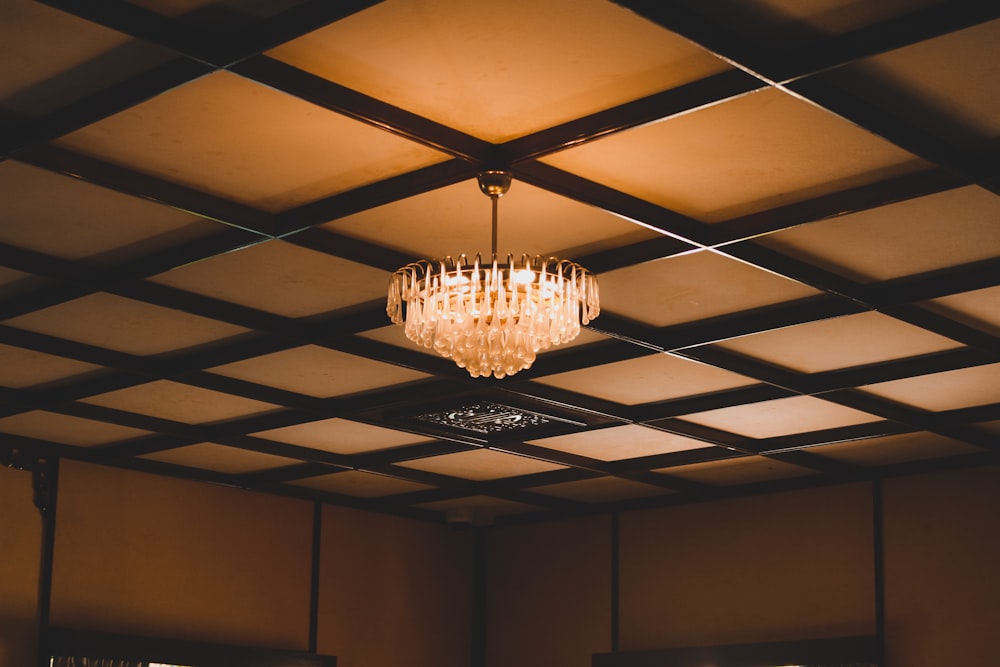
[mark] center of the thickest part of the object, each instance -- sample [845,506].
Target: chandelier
[492,317]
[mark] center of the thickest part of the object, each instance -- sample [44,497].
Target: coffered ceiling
[791,207]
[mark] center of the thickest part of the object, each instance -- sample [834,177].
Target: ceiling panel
[759,151]
[66,429]
[500,74]
[950,390]
[620,442]
[220,458]
[731,472]
[894,449]
[480,464]
[360,484]
[341,436]
[210,135]
[979,308]
[28,368]
[783,416]
[180,402]
[602,490]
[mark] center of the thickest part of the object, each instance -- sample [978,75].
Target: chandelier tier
[492,317]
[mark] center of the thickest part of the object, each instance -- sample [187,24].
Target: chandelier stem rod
[495,225]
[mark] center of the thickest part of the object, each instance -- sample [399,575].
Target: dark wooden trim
[67,642]
[800,652]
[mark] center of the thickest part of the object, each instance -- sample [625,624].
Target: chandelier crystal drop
[492,317]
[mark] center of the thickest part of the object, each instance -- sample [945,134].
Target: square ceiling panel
[500,72]
[480,464]
[733,472]
[317,371]
[760,151]
[601,490]
[76,56]
[220,458]
[783,416]
[341,436]
[66,429]
[947,84]
[228,136]
[909,237]
[655,377]
[26,368]
[620,442]
[180,402]
[125,325]
[483,508]
[950,390]
[840,342]
[281,278]
[72,219]
[361,484]
[894,449]
[457,220]
[694,286]
[979,308]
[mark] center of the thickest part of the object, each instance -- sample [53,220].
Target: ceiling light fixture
[492,318]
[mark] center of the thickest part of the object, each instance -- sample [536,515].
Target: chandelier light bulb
[493,317]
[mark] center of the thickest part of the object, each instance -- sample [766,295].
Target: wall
[151,555]
[772,567]
[20,556]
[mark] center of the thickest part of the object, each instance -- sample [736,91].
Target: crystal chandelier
[492,317]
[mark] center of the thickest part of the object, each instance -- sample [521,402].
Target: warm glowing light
[492,318]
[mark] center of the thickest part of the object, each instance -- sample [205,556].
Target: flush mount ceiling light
[492,317]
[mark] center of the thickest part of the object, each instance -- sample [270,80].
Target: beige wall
[549,593]
[153,555]
[20,556]
[942,558]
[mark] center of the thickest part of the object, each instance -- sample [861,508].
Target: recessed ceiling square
[318,371]
[66,429]
[979,308]
[689,287]
[840,342]
[906,238]
[360,484]
[480,464]
[125,325]
[601,490]
[72,219]
[180,402]
[27,368]
[499,73]
[756,152]
[654,377]
[733,472]
[220,458]
[620,442]
[950,390]
[895,449]
[783,416]
[341,436]
[281,278]
[230,137]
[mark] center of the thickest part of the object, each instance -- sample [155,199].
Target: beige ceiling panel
[980,309]
[498,72]
[906,238]
[839,342]
[655,377]
[457,220]
[360,484]
[20,368]
[783,416]
[620,442]
[220,458]
[961,388]
[180,402]
[281,278]
[42,75]
[227,136]
[732,472]
[14,283]
[480,464]
[894,449]
[953,77]
[317,371]
[54,427]
[341,436]
[72,219]
[688,287]
[483,507]
[393,335]
[601,490]
[762,150]
[124,325]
